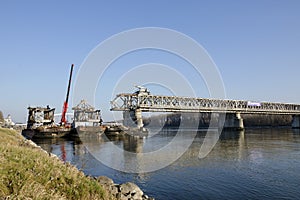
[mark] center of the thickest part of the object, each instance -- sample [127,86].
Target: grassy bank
[26,172]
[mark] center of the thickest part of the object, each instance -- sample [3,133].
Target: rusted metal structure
[39,116]
[87,121]
[40,124]
[86,115]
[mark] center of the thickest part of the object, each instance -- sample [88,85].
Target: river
[249,164]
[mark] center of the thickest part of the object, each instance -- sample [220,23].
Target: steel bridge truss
[157,103]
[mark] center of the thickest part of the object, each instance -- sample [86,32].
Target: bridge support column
[234,121]
[296,121]
[139,119]
[129,118]
[133,118]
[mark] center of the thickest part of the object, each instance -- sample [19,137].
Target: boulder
[131,191]
[125,191]
[104,180]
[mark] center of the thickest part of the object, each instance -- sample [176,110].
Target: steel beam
[158,103]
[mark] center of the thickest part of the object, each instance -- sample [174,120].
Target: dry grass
[26,172]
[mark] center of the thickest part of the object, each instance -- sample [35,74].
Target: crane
[63,120]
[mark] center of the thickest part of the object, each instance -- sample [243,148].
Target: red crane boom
[63,120]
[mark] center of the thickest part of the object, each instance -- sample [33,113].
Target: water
[252,164]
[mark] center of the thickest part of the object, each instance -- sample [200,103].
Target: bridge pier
[233,121]
[129,118]
[139,119]
[133,118]
[296,121]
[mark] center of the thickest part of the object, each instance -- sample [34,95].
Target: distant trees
[251,120]
[204,119]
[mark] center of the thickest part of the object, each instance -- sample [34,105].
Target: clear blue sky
[255,44]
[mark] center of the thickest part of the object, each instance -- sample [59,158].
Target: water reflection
[230,142]
[251,164]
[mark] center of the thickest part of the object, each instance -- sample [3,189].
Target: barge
[87,121]
[40,124]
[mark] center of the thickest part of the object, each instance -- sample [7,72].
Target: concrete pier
[139,119]
[129,118]
[296,121]
[234,121]
[133,118]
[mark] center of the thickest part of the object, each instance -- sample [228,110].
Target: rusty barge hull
[87,131]
[56,132]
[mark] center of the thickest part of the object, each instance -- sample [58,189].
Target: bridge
[133,104]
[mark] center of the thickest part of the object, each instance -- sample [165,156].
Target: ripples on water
[252,164]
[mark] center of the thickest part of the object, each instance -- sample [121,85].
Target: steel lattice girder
[157,103]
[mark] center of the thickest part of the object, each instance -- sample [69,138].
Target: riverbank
[28,172]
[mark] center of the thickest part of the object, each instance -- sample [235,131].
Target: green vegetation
[26,172]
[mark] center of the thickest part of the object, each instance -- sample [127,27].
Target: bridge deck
[157,103]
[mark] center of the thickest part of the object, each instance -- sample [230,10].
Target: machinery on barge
[40,123]
[87,121]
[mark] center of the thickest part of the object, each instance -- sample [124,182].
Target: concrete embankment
[28,172]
